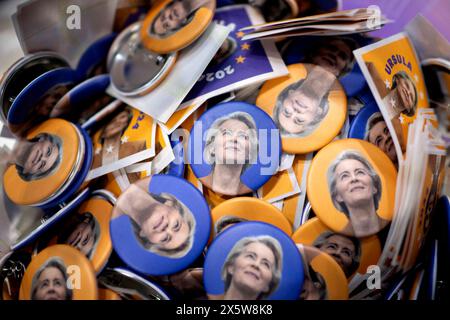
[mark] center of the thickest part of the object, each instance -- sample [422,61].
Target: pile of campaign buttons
[282,188]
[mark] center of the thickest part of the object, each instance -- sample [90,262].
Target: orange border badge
[328,128]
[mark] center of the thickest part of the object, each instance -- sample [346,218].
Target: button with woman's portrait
[22,73]
[59,272]
[309,107]
[134,69]
[324,278]
[352,254]
[87,229]
[172,25]
[351,187]
[234,148]
[369,125]
[243,209]
[126,285]
[46,163]
[160,225]
[34,104]
[253,261]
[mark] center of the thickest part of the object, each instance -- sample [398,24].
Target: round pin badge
[130,286]
[77,180]
[309,107]
[51,157]
[35,102]
[172,25]
[59,272]
[369,125]
[253,261]
[324,278]
[227,146]
[84,100]
[160,229]
[88,230]
[22,73]
[351,187]
[352,254]
[134,69]
[243,209]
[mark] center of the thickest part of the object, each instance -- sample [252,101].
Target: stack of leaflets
[335,23]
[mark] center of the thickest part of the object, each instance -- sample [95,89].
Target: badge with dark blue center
[253,261]
[234,148]
[23,72]
[36,101]
[160,225]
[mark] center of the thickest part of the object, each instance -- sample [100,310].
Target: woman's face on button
[254,267]
[341,249]
[406,93]
[82,238]
[379,135]
[354,185]
[41,157]
[165,227]
[116,125]
[297,112]
[170,18]
[232,143]
[51,285]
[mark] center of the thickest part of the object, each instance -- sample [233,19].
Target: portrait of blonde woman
[301,106]
[252,269]
[231,147]
[355,189]
[50,281]
[161,223]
